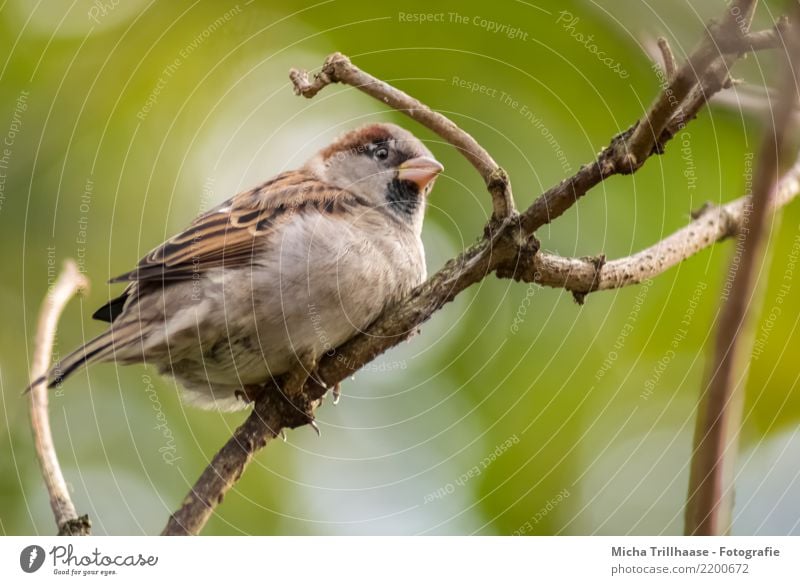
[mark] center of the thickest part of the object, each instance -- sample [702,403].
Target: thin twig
[709,504]
[670,65]
[712,224]
[704,73]
[69,283]
[732,26]
[338,69]
[771,38]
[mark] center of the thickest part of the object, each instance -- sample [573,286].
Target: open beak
[421,170]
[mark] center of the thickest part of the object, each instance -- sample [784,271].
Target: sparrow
[294,267]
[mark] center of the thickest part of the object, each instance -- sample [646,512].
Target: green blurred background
[126,121]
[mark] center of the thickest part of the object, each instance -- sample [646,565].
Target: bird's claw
[337,393]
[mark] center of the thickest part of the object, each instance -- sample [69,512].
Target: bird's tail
[99,349]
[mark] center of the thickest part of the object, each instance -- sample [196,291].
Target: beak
[421,170]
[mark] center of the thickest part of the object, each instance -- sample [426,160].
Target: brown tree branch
[70,282]
[670,64]
[731,28]
[772,38]
[711,224]
[338,69]
[710,500]
[508,248]
[271,414]
[705,72]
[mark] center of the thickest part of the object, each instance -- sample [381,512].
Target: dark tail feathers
[95,350]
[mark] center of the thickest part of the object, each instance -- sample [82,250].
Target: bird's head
[383,163]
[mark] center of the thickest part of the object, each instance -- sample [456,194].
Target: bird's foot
[302,373]
[295,383]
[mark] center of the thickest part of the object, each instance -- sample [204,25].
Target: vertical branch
[70,282]
[710,499]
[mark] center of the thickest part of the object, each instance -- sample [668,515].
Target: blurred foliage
[573,427]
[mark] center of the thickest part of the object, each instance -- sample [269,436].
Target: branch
[729,32]
[711,224]
[710,500]
[272,413]
[772,38]
[508,248]
[705,72]
[670,64]
[338,69]
[69,283]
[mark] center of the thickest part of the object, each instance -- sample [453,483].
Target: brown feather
[229,234]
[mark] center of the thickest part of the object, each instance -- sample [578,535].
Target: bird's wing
[228,235]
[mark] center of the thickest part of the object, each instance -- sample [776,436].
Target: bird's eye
[382,153]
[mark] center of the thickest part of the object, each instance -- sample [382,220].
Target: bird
[293,267]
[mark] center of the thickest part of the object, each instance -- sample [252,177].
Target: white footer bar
[356,560]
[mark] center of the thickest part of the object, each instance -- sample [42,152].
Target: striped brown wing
[228,235]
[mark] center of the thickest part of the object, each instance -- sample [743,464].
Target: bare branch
[689,88]
[710,500]
[69,283]
[772,38]
[711,224]
[728,31]
[670,65]
[338,69]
